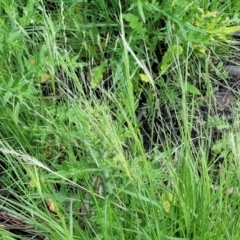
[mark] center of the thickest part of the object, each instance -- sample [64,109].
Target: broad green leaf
[24,88]
[133,21]
[97,75]
[144,78]
[140,9]
[172,52]
[192,89]
[213,23]
[225,30]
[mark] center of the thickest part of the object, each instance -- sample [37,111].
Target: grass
[107,126]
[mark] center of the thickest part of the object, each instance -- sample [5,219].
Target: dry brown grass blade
[10,221]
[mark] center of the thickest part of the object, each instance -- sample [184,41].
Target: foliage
[100,133]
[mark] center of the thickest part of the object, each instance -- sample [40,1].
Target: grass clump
[108,127]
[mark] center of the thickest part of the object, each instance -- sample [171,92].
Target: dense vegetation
[110,128]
